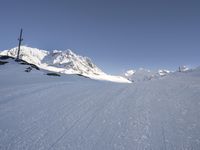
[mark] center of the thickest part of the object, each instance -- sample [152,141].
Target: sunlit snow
[70,112]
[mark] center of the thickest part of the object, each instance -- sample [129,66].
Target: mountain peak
[66,62]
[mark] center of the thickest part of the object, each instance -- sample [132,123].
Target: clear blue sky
[116,34]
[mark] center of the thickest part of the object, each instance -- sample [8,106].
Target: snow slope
[76,113]
[65,62]
[144,74]
[183,68]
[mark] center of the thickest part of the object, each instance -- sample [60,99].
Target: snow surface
[144,74]
[65,62]
[183,68]
[40,112]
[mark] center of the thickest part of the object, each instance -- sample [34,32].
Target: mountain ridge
[66,62]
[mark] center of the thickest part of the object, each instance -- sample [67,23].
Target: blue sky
[116,34]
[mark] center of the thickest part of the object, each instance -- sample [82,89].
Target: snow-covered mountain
[183,68]
[144,74]
[65,62]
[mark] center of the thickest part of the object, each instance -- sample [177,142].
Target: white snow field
[70,112]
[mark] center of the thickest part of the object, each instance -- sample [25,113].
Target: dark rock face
[5,57]
[53,74]
[3,62]
[28,69]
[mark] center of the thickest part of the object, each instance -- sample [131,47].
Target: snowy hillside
[183,68]
[75,113]
[144,74]
[65,62]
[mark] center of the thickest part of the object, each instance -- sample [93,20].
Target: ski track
[76,115]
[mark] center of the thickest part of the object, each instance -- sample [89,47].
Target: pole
[20,40]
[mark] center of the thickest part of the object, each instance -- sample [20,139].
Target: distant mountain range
[67,62]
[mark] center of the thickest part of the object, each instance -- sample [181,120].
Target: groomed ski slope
[39,112]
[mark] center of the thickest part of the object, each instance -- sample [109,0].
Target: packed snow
[66,62]
[71,112]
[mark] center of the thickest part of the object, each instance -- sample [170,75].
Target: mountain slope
[65,62]
[74,113]
[144,74]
